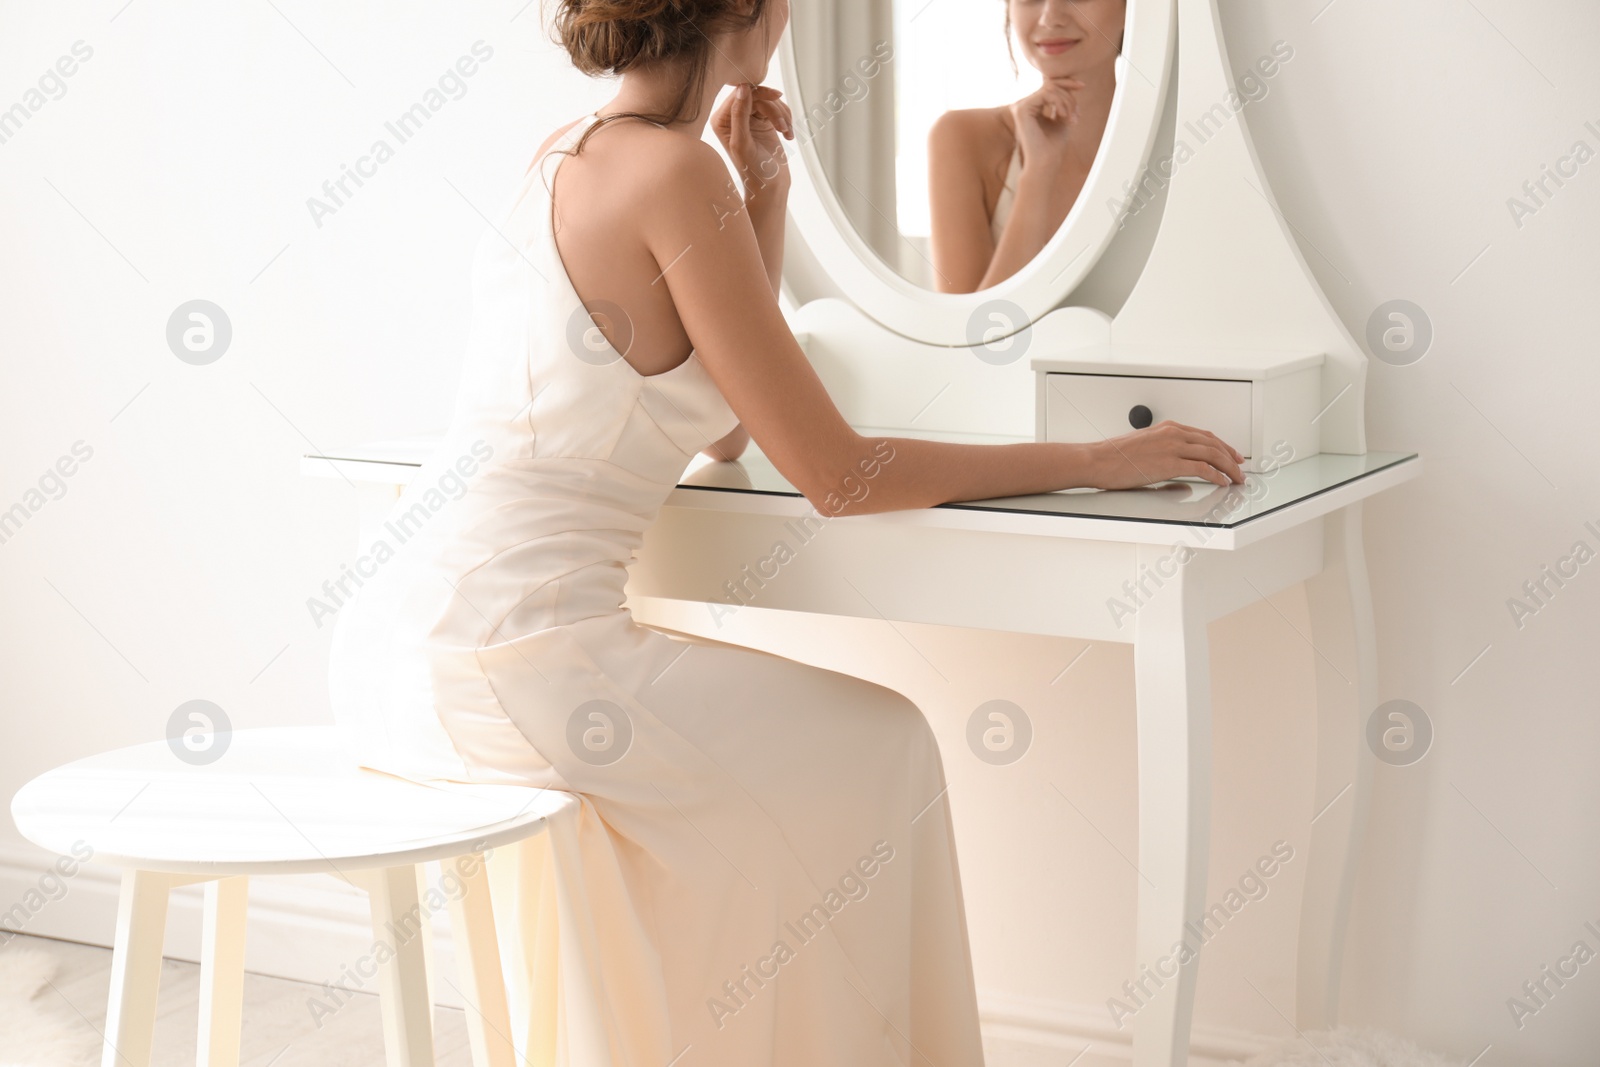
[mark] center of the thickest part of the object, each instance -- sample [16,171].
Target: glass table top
[1182,502]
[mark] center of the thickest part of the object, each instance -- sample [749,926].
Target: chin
[1072,66]
[1057,66]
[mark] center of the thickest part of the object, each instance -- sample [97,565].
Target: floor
[61,1024]
[280,1026]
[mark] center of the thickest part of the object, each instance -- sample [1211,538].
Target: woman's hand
[750,123]
[1166,450]
[1043,120]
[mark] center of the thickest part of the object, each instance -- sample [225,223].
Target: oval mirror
[959,155]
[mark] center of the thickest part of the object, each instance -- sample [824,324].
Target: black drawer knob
[1139,417]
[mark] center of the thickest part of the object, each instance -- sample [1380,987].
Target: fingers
[1220,457]
[1206,449]
[1238,457]
[739,121]
[1208,472]
[1220,445]
[1068,105]
[1223,462]
[1235,453]
[777,113]
[1214,454]
[721,118]
[754,102]
[1055,104]
[771,104]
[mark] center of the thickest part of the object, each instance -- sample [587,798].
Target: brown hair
[1011,53]
[610,37]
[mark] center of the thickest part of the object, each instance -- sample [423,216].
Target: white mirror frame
[1144,71]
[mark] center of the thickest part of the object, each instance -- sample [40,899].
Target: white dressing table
[1223,327]
[1053,565]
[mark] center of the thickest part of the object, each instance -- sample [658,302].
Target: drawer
[1092,407]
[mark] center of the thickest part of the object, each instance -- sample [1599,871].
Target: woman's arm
[769,210]
[730,447]
[966,257]
[982,472]
[961,243]
[965,253]
[723,297]
[1027,230]
[1042,123]
[749,123]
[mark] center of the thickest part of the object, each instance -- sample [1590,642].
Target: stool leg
[478,962]
[222,972]
[398,922]
[428,963]
[135,968]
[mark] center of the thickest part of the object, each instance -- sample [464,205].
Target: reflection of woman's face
[1068,37]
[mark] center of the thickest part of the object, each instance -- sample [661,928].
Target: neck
[1094,105]
[654,91]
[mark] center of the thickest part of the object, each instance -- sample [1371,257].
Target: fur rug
[1345,1047]
[37,1027]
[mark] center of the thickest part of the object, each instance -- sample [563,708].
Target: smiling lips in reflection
[1056,46]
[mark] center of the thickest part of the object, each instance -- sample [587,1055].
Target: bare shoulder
[668,162]
[972,128]
[675,152]
[552,139]
[658,176]
[977,136]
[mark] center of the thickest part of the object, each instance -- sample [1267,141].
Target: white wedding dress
[762,871]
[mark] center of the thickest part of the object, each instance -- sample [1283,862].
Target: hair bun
[609,37]
[606,37]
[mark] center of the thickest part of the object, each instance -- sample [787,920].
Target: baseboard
[1040,1025]
[309,928]
[312,928]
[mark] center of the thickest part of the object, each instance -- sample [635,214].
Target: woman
[1002,179]
[763,870]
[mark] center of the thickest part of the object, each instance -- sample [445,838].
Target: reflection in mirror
[956,134]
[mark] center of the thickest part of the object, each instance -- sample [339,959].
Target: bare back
[600,198]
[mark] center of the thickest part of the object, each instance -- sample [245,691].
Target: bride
[761,868]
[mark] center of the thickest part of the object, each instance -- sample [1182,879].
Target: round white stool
[285,801]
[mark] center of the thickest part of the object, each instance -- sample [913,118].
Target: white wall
[178,561]
[1393,145]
